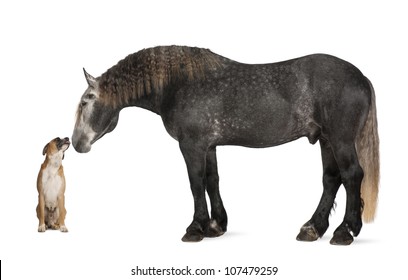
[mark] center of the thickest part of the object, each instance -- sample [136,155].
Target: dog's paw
[42,228]
[63,228]
[55,227]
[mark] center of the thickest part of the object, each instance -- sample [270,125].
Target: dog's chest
[52,184]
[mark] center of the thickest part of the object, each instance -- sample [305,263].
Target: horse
[206,100]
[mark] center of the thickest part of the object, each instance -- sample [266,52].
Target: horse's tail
[367,146]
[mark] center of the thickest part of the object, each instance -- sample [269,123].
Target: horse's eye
[90,96]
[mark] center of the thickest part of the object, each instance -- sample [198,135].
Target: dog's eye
[83,103]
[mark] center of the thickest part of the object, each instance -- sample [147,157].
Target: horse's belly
[257,133]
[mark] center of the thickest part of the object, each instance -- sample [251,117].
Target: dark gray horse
[206,100]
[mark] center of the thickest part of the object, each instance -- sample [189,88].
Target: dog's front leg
[40,213]
[62,213]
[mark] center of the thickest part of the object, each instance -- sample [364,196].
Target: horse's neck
[149,102]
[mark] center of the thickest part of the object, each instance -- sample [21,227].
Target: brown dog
[51,187]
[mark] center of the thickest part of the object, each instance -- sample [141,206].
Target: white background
[129,201]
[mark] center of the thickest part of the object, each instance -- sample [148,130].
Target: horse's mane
[152,70]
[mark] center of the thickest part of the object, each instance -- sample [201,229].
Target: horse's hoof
[308,233]
[193,237]
[342,238]
[213,229]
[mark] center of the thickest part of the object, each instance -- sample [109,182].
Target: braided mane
[152,70]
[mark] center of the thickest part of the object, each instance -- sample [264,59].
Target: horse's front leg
[195,158]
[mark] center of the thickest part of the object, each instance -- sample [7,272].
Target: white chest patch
[52,184]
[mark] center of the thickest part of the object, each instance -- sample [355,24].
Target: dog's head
[56,146]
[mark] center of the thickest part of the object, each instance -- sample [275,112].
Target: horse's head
[94,118]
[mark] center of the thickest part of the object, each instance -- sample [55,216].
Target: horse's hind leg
[351,175]
[319,222]
[218,223]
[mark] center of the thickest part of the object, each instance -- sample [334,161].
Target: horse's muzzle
[81,144]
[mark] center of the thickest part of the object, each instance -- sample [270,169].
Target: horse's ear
[45,149]
[90,80]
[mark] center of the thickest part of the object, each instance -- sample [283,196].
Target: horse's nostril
[82,147]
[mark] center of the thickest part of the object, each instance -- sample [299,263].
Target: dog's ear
[45,149]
